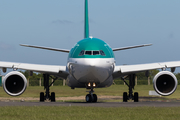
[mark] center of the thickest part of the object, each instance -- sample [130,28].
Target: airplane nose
[92,63]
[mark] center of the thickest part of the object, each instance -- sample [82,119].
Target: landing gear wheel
[125,97]
[41,97]
[136,97]
[53,97]
[88,98]
[94,98]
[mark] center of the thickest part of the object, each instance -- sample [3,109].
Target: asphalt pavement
[98,104]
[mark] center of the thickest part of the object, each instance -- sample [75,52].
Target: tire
[41,97]
[94,98]
[136,97]
[125,97]
[53,97]
[88,98]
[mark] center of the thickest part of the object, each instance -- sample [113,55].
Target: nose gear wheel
[91,97]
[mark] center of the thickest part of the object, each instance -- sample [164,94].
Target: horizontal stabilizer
[130,47]
[46,48]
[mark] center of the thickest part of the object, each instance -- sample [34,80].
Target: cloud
[5,46]
[62,22]
[171,36]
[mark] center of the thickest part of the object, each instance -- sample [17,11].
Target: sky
[60,24]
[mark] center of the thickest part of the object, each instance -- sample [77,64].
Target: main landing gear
[91,97]
[129,95]
[47,95]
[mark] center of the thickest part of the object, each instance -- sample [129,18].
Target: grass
[89,113]
[65,91]
[114,90]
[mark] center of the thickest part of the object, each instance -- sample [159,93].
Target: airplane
[91,64]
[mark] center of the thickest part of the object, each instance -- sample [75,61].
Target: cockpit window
[102,53]
[81,53]
[95,52]
[88,53]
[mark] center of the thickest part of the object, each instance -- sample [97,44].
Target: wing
[46,48]
[60,71]
[130,47]
[120,71]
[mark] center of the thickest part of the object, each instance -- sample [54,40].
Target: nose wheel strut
[91,97]
[129,95]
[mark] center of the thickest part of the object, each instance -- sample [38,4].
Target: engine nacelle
[14,83]
[165,83]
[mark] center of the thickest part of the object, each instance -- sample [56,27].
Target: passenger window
[95,52]
[102,53]
[81,53]
[88,52]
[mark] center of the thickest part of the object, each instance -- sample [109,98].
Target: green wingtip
[86,21]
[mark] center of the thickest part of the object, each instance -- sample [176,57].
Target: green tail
[86,21]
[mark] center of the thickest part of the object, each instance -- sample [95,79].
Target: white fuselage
[90,70]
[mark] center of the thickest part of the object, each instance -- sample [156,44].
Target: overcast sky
[59,24]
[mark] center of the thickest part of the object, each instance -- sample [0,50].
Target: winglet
[86,21]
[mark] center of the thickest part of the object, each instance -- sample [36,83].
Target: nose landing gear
[91,97]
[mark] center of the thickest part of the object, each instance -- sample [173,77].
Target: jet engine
[165,83]
[14,83]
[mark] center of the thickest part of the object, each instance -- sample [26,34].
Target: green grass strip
[89,113]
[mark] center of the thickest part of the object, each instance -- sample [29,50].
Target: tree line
[34,79]
[142,79]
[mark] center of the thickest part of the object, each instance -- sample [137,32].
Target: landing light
[91,84]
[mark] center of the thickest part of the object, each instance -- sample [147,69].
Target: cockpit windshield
[88,53]
[95,52]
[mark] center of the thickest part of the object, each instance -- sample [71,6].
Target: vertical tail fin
[86,21]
